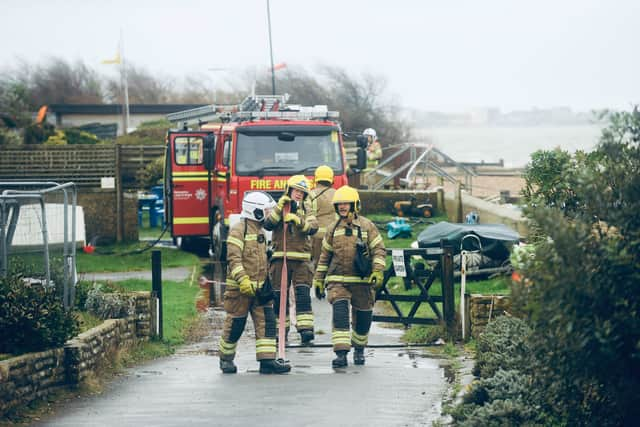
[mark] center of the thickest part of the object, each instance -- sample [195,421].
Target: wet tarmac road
[396,387]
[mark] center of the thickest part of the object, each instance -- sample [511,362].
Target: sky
[435,55]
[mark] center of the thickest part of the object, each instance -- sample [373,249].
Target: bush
[108,305]
[38,133]
[503,345]
[583,301]
[32,317]
[151,174]
[9,137]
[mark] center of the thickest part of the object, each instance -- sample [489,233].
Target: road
[396,387]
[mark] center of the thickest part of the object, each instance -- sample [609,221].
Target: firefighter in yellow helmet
[321,202]
[352,263]
[299,223]
[248,288]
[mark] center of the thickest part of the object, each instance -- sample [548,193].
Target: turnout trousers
[361,298]
[238,306]
[299,276]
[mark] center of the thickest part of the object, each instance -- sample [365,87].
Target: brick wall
[34,376]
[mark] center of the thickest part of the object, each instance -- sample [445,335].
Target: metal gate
[422,278]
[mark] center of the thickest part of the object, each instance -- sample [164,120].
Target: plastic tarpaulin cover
[496,239]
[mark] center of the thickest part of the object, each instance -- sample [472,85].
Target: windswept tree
[143,87]
[61,82]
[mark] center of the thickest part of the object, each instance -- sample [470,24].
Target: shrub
[108,305]
[9,136]
[151,174]
[38,133]
[32,317]
[503,345]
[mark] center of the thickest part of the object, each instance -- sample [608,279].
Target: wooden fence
[84,165]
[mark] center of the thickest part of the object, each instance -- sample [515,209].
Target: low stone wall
[490,213]
[33,376]
[483,308]
[381,201]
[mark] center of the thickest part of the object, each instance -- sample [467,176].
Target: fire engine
[256,145]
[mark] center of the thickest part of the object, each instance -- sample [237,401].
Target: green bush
[38,133]
[151,174]
[77,136]
[108,305]
[32,317]
[503,345]
[583,301]
[9,137]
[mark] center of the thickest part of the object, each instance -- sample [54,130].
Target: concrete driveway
[396,387]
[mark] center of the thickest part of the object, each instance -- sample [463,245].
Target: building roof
[117,108]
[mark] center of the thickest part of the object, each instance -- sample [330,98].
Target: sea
[514,145]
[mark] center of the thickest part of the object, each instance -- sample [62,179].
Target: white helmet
[256,204]
[370,132]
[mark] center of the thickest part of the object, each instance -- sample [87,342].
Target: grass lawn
[125,257]
[178,306]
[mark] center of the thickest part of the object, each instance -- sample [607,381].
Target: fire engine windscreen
[262,152]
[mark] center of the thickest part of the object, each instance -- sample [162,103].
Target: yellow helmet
[299,182]
[346,194]
[324,173]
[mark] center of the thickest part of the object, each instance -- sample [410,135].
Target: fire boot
[341,360]
[228,367]
[271,366]
[306,337]
[358,356]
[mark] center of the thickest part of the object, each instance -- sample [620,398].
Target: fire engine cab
[256,145]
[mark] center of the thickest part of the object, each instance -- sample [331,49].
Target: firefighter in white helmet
[352,263]
[374,149]
[299,223]
[248,288]
[321,202]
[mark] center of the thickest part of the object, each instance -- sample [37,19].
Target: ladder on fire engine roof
[253,107]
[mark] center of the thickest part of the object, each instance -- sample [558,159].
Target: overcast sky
[436,55]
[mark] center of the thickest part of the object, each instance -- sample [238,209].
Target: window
[263,152]
[226,151]
[188,150]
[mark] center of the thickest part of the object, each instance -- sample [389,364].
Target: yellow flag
[115,60]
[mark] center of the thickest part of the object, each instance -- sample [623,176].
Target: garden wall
[34,376]
[381,201]
[484,308]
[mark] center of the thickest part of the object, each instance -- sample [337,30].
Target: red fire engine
[256,145]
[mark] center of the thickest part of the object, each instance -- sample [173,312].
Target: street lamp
[273,74]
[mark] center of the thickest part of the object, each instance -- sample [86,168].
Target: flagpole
[125,85]
[273,74]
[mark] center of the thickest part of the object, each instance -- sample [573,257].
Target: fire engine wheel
[181,243]
[218,238]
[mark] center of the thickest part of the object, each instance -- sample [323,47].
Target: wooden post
[448,299]
[119,195]
[459,216]
[156,284]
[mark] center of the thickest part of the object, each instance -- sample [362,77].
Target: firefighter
[351,263]
[374,150]
[248,288]
[300,223]
[321,197]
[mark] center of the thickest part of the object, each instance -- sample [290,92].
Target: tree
[61,82]
[144,88]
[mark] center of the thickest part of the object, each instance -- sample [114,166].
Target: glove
[376,279]
[247,287]
[318,286]
[284,199]
[291,217]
